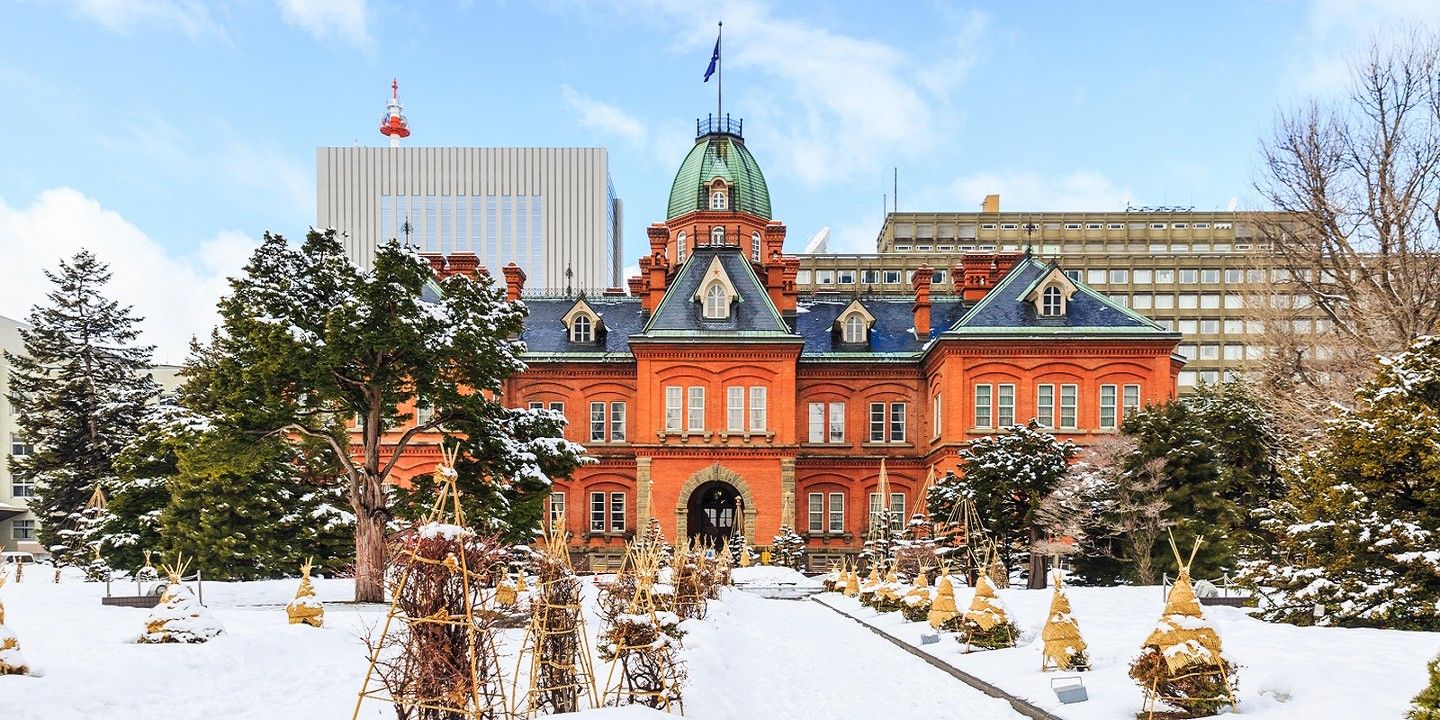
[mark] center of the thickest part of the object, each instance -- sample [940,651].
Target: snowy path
[783,660]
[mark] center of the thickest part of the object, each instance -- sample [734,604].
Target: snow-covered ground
[749,657]
[1284,671]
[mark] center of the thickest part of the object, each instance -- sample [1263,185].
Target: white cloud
[1031,191]
[123,16]
[176,296]
[604,118]
[348,20]
[1336,30]
[843,106]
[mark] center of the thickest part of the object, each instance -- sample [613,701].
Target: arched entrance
[714,510]
[691,497]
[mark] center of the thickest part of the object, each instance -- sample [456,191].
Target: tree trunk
[1036,579]
[370,555]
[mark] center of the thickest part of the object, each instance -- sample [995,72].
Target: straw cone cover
[306,607]
[180,618]
[1061,633]
[1182,635]
[986,610]
[11,661]
[943,607]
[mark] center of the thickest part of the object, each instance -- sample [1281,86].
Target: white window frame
[556,512]
[817,422]
[854,328]
[735,408]
[877,422]
[984,405]
[617,512]
[718,200]
[835,514]
[599,506]
[1045,404]
[1108,401]
[898,422]
[580,329]
[717,303]
[1050,302]
[674,412]
[597,421]
[695,409]
[835,427]
[1069,402]
[759,411]
[1004,405]
[815,512]
[617,421]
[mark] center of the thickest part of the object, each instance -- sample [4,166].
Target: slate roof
[892,333]
[719,155]
[751,315]
[545,334]
[1004,311]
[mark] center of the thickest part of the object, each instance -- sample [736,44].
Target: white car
[17,558]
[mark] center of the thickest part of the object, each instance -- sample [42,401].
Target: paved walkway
[783,659]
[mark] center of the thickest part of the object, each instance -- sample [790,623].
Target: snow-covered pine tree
[309,340]
[788,549]
[1426,705]
[1007,476]
[80,392]
[1358,528]
[130,525]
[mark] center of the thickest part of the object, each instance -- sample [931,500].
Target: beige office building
[552,211]
[1205,274]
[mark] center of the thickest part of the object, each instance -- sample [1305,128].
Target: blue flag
[714,60]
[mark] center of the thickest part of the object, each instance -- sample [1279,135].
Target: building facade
[717,397]
[552,211]
[1207,275]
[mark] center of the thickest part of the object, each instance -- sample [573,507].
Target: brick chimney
[772,258]
[437,264]
[920,281]
[980,271]
[462,263]
[636,284]
[514,281]
[656,267]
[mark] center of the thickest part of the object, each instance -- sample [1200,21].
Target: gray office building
[552,211]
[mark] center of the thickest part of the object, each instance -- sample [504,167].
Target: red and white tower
[392,123]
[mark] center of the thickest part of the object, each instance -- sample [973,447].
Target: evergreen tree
[1426,705]
[309,340]
[1174,446]
[130,524]
[242,509]
[1007,476]
[1247,446]
[1356,533]
[80,393]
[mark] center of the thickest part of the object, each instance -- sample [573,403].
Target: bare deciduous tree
[1356,186]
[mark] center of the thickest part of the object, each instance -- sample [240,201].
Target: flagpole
[720,75]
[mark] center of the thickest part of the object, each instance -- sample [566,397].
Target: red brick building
[714,380]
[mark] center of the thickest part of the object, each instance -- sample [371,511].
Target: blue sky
[167,135]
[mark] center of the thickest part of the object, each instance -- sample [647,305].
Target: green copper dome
[719,152]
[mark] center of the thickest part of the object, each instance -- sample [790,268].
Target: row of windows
[865,277]
[717,237]
[685,409]
[944,230]
[887,422]
[1186,276]
[995,404]
[497,228]
[826,512]
[1206,301]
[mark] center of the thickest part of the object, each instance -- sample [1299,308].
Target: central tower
[719,196]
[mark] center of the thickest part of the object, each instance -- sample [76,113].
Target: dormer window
[716,292]
[717,235]
[1051,294]
[855,329]
[1051,302]
[580,329]
[853,325]
[719,200]
[583,325]
[717,305]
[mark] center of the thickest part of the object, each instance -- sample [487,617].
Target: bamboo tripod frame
[622,690]
[475,704]
[543,637]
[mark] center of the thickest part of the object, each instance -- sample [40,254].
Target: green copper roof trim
[725,156]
